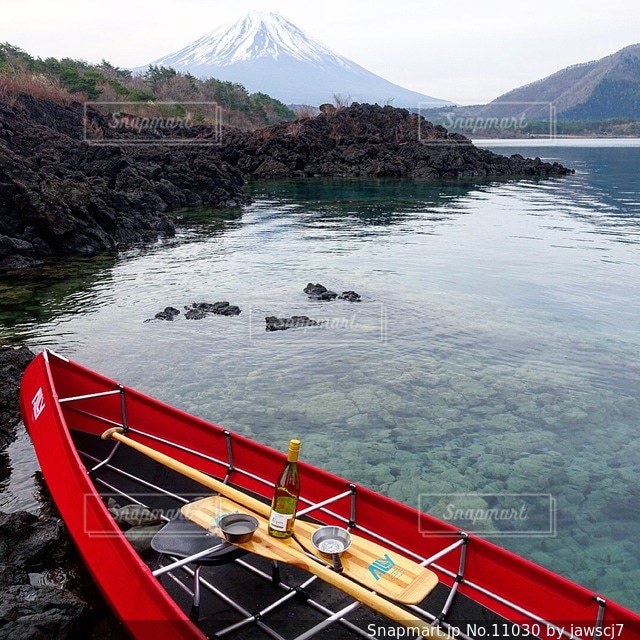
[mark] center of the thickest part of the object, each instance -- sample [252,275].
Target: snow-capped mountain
[266,52]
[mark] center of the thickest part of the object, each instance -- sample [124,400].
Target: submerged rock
[350,296]
[280,324]
[169,313]
[199,310]
[195,314]
[319,292]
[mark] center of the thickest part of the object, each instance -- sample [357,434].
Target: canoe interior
[128,479]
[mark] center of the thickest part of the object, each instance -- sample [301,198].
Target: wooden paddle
[285,550]
[370,564]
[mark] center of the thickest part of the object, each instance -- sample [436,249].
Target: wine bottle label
[279,521]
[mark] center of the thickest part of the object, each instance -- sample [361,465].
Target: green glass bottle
[285,496]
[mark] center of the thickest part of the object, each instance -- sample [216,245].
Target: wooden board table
[387,573]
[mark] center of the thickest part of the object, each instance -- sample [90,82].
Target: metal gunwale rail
[321,507]
[90,396]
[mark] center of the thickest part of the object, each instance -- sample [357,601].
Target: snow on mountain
[266,52]
[259,34]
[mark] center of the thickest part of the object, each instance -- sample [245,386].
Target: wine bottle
[285,496]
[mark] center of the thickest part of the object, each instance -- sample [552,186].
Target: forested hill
[68,79]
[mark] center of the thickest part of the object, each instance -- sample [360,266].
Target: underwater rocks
[350,296]
[320,292]
[198,311]
[169,313]
[280,324]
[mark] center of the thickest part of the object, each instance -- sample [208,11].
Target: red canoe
[483,590]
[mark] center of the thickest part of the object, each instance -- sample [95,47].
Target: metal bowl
[238,527]
[331,540]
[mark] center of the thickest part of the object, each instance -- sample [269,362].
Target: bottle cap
[294,449]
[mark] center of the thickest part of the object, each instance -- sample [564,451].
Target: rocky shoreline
[45,591]
[60,195]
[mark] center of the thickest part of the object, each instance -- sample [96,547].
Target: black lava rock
[319,292]
[199,310]
[13,362]
[169,313]
[366,140]
[350,296]
[30,542]
[70,606]
[314,289]
[60,195]
[36,612]
[226,309]
[10,575]
[195,314]
[63,196]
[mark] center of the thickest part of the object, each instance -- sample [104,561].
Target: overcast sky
[466,51]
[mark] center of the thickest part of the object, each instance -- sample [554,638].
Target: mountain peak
[267,52]
[258,34]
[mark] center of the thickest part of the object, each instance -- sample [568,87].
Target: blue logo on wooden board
[381,566]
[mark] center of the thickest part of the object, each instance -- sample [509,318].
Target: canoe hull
[508,585]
